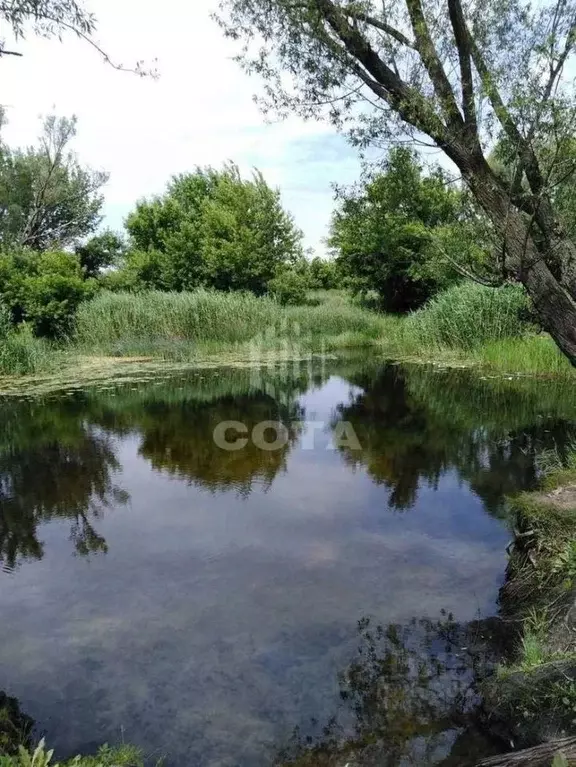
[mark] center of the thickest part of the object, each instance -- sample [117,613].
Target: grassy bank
[41,756]
[467,325]
[535,691]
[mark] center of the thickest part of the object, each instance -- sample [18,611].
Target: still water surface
[203,603]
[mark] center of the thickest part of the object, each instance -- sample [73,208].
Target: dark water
[202,603]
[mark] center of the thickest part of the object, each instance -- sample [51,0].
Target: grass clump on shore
[198,316]
[20,352]
[536,689]
[469,315]
[122,756]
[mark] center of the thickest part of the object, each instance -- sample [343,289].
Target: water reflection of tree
[176,423]
[414,426]
[58,461]
[180,442]
[410,696]
[53,465]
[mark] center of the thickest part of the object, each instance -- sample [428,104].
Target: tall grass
[199,316]
[156,321]
[535,354]
[20,352]
[468,315]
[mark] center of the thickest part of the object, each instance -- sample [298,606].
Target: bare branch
[469,274]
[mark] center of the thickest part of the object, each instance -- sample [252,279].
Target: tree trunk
[539,756]
[554,304]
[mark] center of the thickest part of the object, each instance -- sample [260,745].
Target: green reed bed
[469,315]
[20,352]
[161,323]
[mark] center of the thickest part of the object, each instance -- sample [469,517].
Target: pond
[202,602]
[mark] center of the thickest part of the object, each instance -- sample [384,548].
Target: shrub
[468,315]
[289,287]
[43,289]
[52,301]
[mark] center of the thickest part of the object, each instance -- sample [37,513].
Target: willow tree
[54,19]
[462,75]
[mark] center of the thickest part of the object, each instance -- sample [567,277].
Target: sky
[200,111]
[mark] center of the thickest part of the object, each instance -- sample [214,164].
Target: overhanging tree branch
[431,61]
[381,25]
[462,38]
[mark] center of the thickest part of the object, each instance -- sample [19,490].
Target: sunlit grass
[22,354]
[178,325]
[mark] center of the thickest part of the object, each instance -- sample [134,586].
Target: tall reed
[468,315]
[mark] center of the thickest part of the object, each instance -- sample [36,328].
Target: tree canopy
[53,19]
[390,233]
[457,76]
[47,199]
[214,229]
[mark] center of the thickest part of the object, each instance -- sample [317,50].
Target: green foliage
[211,229]
[467,315]
[50,17]
[21,353]
[15,725]
[289,287]
[100,252]
[154,320]
[324,274]
[386,233]
[44,289]
[123,756]
[47,199]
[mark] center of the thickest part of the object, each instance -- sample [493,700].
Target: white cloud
[200,111]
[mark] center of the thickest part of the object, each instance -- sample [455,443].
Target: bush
[468,315]
[52,301]
[43,289]
[289,287]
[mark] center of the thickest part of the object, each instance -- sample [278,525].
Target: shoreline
[78,370]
